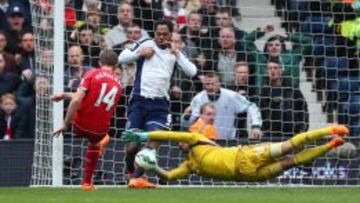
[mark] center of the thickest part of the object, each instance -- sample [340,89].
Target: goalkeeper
[258,162]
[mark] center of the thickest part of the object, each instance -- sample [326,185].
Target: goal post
[58,79]
[48,27]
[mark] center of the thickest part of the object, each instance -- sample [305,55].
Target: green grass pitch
[186,195]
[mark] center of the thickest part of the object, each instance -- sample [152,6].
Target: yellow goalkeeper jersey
[214,161]
[206,158]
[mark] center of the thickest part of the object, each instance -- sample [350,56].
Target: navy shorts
[149,114]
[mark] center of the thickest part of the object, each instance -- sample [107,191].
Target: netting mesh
[319,60]
[43,27]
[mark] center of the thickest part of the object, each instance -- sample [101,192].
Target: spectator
[11,120]
[208,9]
[70,15]
[205,123]
[93,18]
[275,48]
[241,81]
[27,56]
[117,35]
[226,56]
[75,69]
[26,95]
[16,21]
[133,33]
[107,8]
[146,13]
[6,6]
[174,11]
[8,81]
[46,61]
[284,108]
[45,22]
[11,65]
[86,38]
[194,31]
[194,36]
[192,5]
[241,86]
[227,104]
[223,18]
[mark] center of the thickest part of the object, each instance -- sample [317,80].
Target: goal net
[314,45]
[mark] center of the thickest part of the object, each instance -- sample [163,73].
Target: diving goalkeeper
[258,162]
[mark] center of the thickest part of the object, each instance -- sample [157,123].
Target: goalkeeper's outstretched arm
[190,138]
[181,172]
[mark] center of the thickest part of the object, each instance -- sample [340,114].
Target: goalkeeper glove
[133,136]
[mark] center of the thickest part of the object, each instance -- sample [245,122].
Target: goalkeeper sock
[309,155]
[92,155]
[301,139]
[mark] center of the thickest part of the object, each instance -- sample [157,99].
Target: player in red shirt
[90,111]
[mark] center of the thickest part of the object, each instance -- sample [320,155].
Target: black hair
[168,23]
[273,38]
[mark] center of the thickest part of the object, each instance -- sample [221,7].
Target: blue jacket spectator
[6,6]
[16,20]
[8,81]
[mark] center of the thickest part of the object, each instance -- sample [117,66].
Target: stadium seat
[349,113]
[324,46]
[316,24]
[334,72]
[335,67]
[339,90]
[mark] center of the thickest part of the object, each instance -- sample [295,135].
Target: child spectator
[9,118]
[205,123]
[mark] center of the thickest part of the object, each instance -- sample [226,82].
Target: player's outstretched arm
[181,172]
[61,96]
[73,107]
[190,138]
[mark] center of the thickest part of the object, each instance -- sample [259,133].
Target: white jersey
[227,106]
[153,75]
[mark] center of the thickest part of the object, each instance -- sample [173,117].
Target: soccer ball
[146,159]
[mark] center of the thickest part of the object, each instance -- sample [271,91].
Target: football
[146,159]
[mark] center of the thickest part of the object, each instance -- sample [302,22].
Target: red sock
[92,155]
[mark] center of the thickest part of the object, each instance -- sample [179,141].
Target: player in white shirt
[149,106]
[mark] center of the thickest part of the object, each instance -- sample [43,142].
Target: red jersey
[103,91]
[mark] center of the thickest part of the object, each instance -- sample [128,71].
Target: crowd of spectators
[228,61]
